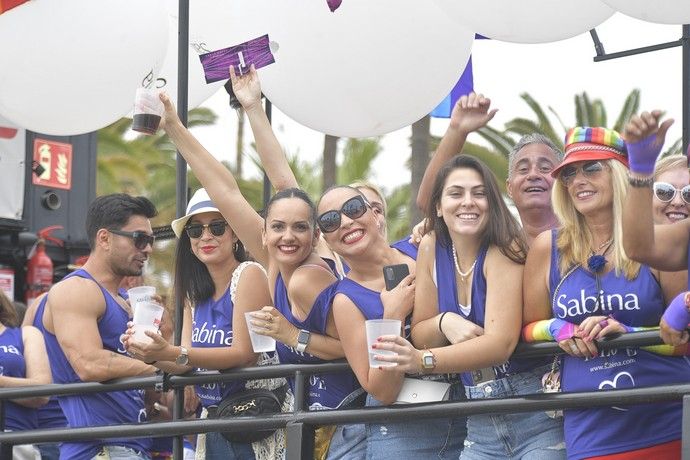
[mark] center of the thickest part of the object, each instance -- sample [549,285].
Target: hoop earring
[235,246]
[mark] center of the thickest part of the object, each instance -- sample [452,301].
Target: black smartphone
[394,274]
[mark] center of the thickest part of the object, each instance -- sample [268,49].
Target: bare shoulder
[428,243]
[30,333]
[541,245]
[76,294]
[252,273]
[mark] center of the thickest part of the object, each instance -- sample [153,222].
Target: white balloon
[203,19]
[528,21]
[367,69]
[662,11]
[72,66]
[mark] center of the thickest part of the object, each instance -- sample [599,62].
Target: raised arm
[219,183]
[663,247]
[470,113]
[247,89]
[75,307]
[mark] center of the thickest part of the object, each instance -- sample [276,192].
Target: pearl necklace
[462,274]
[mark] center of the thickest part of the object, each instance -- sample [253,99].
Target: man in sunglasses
[83,317]
[530,163]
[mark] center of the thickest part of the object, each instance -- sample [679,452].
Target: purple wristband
[677,315]
[642,155]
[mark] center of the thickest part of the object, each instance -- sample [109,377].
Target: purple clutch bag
[217,63]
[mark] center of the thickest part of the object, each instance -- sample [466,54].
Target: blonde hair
[575,240]
[360,184]
[669,163]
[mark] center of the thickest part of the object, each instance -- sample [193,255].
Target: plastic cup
[147,317]
[375,329]
[260,343]
[148,110]
[140,294]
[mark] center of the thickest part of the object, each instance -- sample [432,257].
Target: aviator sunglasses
[666,192]
[217,228]
[589,170]
[141,239]
[353,208]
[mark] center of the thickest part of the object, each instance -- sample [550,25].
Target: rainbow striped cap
[583,143]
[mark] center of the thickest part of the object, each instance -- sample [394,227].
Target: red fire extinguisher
[39,268]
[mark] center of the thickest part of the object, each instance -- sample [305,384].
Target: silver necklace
[462,274]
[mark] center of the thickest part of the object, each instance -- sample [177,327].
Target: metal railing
[300,423]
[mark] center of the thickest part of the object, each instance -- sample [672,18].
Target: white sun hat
[199,203]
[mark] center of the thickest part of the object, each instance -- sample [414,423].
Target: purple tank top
[12,364]
[326,391]
[637,302]
[447,291]
[113,408]
[212,328]
[50,415]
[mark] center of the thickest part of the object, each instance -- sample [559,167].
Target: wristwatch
[303,340]
[183,358]
[428,361]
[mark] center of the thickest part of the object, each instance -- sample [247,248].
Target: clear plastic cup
[147,317]
[140,294]
[148,110]
[375,329]
[260,343]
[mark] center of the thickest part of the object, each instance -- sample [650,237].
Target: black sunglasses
[589,169]
[141,239]
[353,208]
[195,231]
[666,192]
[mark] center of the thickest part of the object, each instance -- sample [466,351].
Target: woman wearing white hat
[217,286]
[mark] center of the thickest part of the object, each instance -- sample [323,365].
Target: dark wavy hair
[113,211]
[502,229]
[193,282]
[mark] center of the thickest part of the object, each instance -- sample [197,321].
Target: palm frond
[630,107]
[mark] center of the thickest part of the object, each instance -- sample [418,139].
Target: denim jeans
[527,436]
[219,448]
[120,453]
[49,451]
[348,442]
[428,439]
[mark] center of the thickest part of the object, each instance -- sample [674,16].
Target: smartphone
[394,274]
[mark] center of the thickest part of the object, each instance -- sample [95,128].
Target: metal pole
[267,183]
[181,191]
[686,86]
[685,436]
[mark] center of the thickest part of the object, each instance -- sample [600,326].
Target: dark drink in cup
[148,110]
[146,123]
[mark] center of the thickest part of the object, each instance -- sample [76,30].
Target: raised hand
[471,112]
[247,87]
[645,137]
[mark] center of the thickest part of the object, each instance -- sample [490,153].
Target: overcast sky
[552,73]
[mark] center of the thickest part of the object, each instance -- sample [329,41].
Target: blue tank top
[447,291]
[406,247]
[12,364]
[212,328]
[113,408]
[637,302]
[50,415]
[326,391]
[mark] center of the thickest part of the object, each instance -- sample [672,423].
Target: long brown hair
[502,229]
[8,313]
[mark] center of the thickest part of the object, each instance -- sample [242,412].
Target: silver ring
[573,348]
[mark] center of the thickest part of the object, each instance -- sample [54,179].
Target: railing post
[686,428]
[299,437]
[5,449]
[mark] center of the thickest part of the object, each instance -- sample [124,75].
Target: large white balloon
[72,66]
[528,21]
[369,68]
[662,11]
